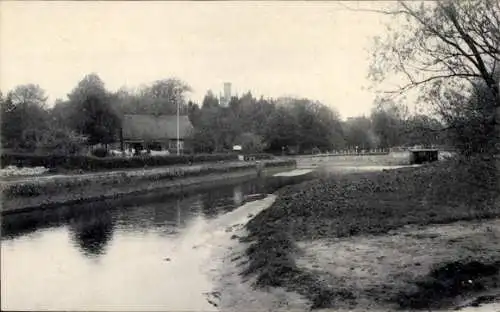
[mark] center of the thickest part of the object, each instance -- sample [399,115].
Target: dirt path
[376,268]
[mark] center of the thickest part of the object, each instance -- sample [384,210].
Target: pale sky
[316,50]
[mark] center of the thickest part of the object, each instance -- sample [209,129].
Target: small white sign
[237,148]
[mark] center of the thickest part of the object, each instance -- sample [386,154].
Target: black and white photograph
[247,156]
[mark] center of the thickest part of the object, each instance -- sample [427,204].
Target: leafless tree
[443,49]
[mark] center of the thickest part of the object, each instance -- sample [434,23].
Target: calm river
[138,255]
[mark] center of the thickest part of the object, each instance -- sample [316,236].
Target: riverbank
[231,293]
[361,204]
[54,190]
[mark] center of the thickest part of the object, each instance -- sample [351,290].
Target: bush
[261,156]
[100,152]
[92,163]
[251,142]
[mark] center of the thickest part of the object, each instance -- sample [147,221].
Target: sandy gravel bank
[232,292]
[377,267]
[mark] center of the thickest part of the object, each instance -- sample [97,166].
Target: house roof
[150,127]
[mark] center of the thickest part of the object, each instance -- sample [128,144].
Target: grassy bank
[52,191]
[85,163]
[36,187]
[363,203]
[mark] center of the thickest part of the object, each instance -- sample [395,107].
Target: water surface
[142,255]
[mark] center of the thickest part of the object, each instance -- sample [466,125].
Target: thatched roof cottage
[143,131]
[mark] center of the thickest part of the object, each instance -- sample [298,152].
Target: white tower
[227,94]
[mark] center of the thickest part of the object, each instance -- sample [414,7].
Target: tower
[227,94]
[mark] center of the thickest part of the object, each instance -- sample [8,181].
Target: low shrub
[92,163]
[100,152]
[261,156]
[283,163]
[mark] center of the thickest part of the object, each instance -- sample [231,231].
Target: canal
[149,253]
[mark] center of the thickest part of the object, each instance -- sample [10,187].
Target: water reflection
[92,231]
[165,213]
[131,238]
[238,195]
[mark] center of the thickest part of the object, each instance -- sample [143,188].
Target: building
[226,98]
[156,132]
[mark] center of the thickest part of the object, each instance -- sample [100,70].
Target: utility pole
[178,151]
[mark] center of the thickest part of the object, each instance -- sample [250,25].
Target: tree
[210,100]
[282,130]
[61,141]
[163,96]
[250,142]
[387,123]
[23,116]
[472,131]
[211,131]
[358,133]
[61,114]
[91,111]
[194,113]
[423,130]
[90,85]
[100,124]
[444,45]
[28,95]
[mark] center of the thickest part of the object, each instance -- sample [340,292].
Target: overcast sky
[317,50]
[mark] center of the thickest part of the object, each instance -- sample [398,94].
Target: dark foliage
[448,281]
[91,163]
[100,152]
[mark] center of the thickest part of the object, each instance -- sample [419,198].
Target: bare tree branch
[393,12]
[418,83]
[450,11]
[437,33]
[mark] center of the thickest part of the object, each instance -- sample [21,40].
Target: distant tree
[194,113]
[250,142]
[282,130]
[423,130]
[210,101]
[61,114]
[319,126]
[28,95]
[163,96]
[61,141]
[331,124]
[92,112]
[100,124]
[388,124]
[208,134]
[302,124]
[472,133]
[90,85]
[358,133]
[23,116]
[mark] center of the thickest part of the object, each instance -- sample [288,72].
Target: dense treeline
[92,115]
